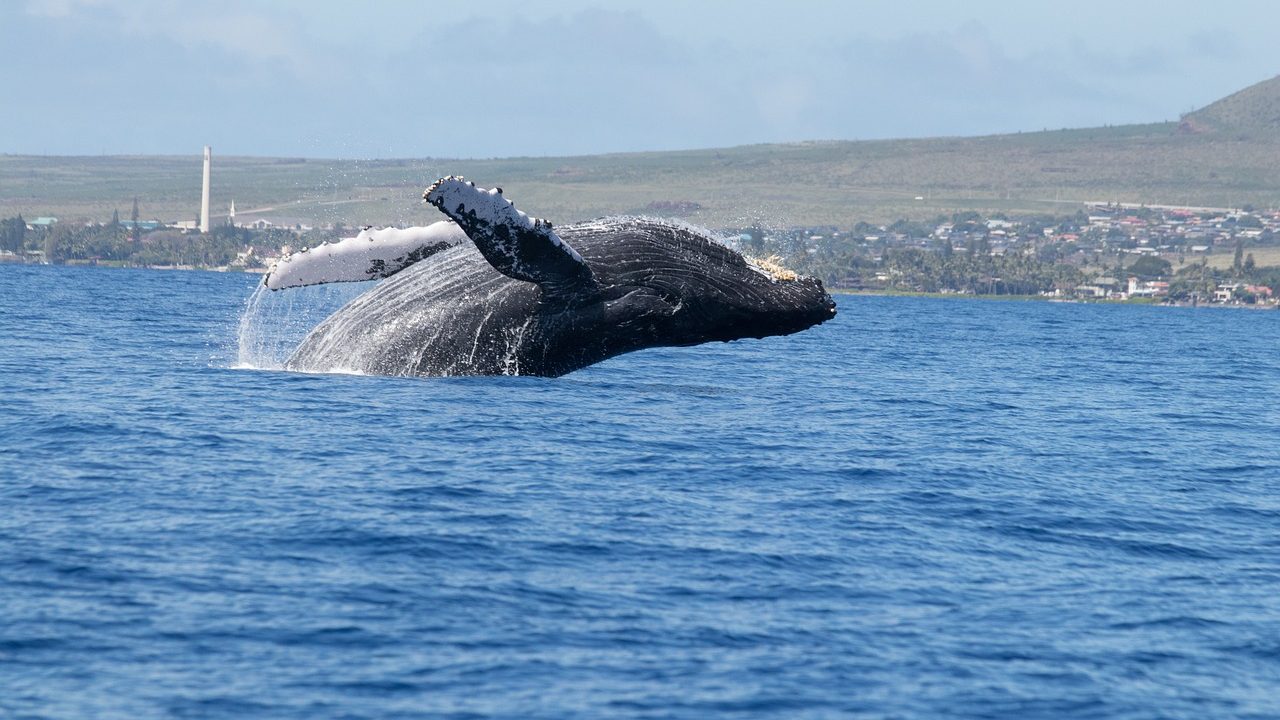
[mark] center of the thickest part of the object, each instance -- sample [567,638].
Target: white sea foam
[273,324]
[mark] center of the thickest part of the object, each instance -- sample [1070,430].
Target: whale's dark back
[655,283]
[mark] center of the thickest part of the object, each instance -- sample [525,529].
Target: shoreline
[117,265]
[1045,298]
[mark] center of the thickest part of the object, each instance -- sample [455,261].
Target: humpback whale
[524,297]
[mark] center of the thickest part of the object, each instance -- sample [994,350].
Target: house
[1226,292]
[1137,288]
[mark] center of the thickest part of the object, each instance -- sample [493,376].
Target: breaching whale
[526,298]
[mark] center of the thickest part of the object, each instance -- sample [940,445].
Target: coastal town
[1101,252]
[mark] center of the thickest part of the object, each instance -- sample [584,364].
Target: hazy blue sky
[494,78]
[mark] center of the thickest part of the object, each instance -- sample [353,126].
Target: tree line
[130,244]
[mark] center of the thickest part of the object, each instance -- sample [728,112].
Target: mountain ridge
[1254,109]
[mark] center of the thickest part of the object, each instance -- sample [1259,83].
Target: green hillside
[1227,154]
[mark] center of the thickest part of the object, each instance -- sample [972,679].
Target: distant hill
[1255,109]
[1225,155]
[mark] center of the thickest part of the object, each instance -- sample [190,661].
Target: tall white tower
[204,194]
[231,214]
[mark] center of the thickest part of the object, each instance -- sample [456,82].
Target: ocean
[923,508]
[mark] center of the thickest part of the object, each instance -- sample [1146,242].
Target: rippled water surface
[924,508]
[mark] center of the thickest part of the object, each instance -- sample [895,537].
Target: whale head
[773,300]
[684,288]
[739,297]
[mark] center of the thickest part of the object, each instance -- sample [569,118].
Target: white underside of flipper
[371,255]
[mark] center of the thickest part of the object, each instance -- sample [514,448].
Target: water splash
[273,323]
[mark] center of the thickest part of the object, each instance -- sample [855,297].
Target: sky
[393,78]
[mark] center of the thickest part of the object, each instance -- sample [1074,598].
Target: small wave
[1180,622]
[1259,648]
[1142,548]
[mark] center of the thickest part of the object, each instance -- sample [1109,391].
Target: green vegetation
[13,233]
[970,272]
[1150,266]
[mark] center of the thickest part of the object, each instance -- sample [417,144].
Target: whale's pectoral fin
[370,255]
[515,244]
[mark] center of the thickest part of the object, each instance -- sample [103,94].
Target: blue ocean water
[924,508]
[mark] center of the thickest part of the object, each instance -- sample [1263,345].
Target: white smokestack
[204,194]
